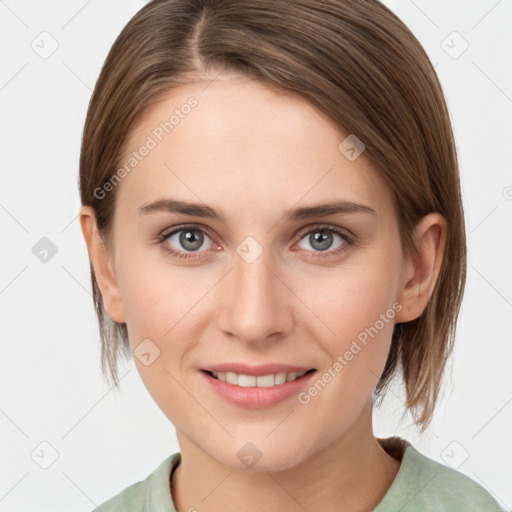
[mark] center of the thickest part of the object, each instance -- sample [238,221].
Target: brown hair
[356,62]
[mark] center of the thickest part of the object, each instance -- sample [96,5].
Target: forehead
[237,142]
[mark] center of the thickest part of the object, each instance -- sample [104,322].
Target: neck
[352,473]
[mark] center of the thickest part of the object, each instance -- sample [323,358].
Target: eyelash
[347,239]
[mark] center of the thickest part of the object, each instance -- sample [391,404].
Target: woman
[272,210]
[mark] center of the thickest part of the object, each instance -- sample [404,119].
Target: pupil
[191,237]
[322,239]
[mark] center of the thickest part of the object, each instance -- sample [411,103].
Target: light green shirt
[421,485]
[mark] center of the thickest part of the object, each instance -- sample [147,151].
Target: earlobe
[420,275]
[102,263]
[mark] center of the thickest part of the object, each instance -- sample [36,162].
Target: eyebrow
[304,212]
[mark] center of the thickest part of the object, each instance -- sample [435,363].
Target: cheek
[357,309]
[158,297]
[162,322]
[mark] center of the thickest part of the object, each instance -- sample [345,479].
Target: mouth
[258,387]
[259,381]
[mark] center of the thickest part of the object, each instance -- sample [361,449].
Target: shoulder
[143,495]
[130,499]
[425,485]
[451,487]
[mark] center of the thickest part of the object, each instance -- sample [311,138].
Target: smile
[256,392]
[260,381]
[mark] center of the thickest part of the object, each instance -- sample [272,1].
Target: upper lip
[259,370]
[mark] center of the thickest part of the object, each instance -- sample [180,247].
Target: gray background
[55,410]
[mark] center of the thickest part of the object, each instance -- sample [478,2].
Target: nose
[255,299]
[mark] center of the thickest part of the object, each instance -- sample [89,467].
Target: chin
[253,457]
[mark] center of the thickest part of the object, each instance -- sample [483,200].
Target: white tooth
[280,378]
[246,381]
[265,381]
[262,381]
[231,378]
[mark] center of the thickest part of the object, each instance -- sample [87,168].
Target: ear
[419,276]
[101,261]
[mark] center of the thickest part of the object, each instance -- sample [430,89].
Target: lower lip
[255,397]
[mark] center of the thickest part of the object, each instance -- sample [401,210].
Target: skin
[253,153]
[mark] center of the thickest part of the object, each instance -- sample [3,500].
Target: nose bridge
[253,278]
[254,305]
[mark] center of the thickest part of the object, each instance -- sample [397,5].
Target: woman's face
[254,284]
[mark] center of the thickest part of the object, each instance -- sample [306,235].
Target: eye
[185,241]
[322,238]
